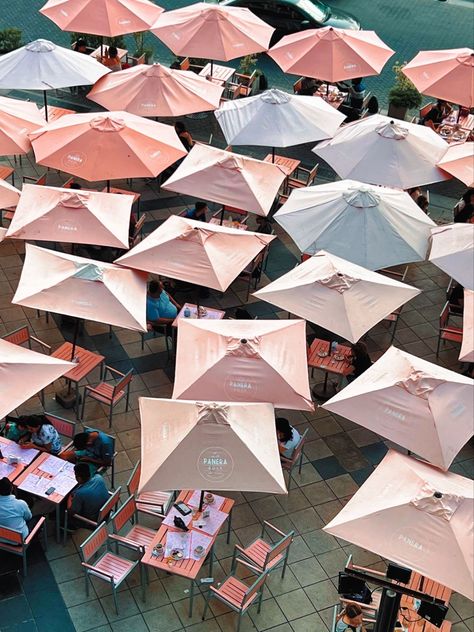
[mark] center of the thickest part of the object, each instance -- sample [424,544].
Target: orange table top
[54,113]
[5,172]
[60,474]
[288,165]
[328,362]
[87,361]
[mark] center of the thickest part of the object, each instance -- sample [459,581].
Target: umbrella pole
[273,154]
[197,300]
[45,100]
[74,339]
[101,48]
[212,66]
[222,215]
[201,500]
[108,186]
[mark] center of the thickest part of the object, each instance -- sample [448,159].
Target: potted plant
[10,39]
[247,66]
[141,48]
[403,95]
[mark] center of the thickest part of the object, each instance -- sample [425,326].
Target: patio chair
[22,336]
[136,236]
[369,610]
[264,555]
[137,537]
[65,427]
[447,332]
[41,181]
[109,567]
[13,541]
[104,516]
[296,459]
[135,61]
[103,468]
[307,178]
[253,272]
[236,594]
[110,394]
[146,500]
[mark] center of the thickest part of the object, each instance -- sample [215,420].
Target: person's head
[356,82]
[468,197]
[354,614]
[33,423]
[75,185]
[414,193]
[81,439]
[284,430]
[261,220]
[373,105]
[82,472]
[200,208]
[359,349]
[423,203]
[155,288]
[180,127]
[113,52]
[6,486]
[81,46]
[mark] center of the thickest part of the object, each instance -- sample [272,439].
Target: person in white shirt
[14,513]
[288,437]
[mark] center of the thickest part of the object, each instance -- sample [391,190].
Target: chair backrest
[124,514]
[298,85]
[139,225]
[109,504]
[65,427]
[299,447]
[67,184]
[11,536]
[133,481]
[185,64]
[94,542]
[444,316]
[19,336]
[312,174]
[123,382]
[425,109]
[278,548]
[254,588]
[42,180]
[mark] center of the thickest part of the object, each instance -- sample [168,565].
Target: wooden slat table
[220,74]
[65,474]
[287,165]
[6,172]
[410,618]
[187,568]
[10,448]
[211,314]
[227,223]
[328,363]
[335,98]
[55,113]
[86,360]
[455,131]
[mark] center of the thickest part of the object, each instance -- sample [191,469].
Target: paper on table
[196,497]
[24,455]
[215,521]
[177,540]
[52,465]
[36,484]
[169,520]
[63,483]
[199,539]
[5,469]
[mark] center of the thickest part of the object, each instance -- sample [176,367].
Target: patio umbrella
[467,347]
[107,18]
[107,146]
[415,515]
[243,360]
[66,215]
[227,178]
[3,234]
[383,151]
[9,195]
[17,119]
[338,295]
[23,373]
[209,446]
[331,54]
[372,226]
[459,162]
[156,91]
[452,250]
[213,31]
[421,406]
[277,119]
[42,65]
[444,74]
[196,252]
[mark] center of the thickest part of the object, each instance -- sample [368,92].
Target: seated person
[350,619]
[456,299]
[437,114]
[356,93]
[414,193]
[81,46]
[111,59]
[41,435]
[288,438]
[93,447]
[308,86]
[161,308]
[197,213]
[360,360]
[184,136]
[88,497]
[423,203]
[263,225]
[12,431]
[464,209]
[14,513]
[75,185]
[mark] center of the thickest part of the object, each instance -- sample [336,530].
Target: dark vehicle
[292,16]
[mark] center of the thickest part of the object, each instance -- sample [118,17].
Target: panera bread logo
[74,160]
[240,387]
[411,542]
[215,464]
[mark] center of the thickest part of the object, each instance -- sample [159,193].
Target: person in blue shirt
[198,212]
[14,513]
[90,494]
[161,308]
[93,447]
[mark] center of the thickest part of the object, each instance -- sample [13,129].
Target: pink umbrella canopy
[452,250]
[107,146]
[209,446]
[156,91]
[467,347]
[17,120]
[444,74]
[9,195]
[84,288]
[421,406]
[458,161]
[203,254]
[414,515]
[23,373]
[331,54]
[71,216]
[239,360]
[102,17]
[227,178]
[213,31]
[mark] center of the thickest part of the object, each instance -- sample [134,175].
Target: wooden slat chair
[104,516]
[253,272]
[22,336]
[368,609]
[109,567]
[136,537]
[236,594]
[296,459]
[264,555]
[307,178]
[298,85]
[135,61]
[103,468]
[110,394]
[447,332]
[41,181]
[13,541]
[185,64]
[146,500]
[65,427]
[136,236]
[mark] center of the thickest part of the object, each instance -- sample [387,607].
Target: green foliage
[94,41]
[10,39]
[141,48]
[247,64]
[404,94]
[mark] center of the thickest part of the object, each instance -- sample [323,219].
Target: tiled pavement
[338,458]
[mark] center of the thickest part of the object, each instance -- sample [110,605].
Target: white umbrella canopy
[277,119]
[374,227]
[338,295]
[452,250]
[209,446]
[418,405]
[380,150]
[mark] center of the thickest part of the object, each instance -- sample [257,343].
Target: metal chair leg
[206,604]
[115,599]
[229,525]
[191,599]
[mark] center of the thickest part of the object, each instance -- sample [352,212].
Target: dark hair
[113,52]
[35,421]
[82,471]
[359,349]
[154,287]
[80,440]
[80,43]
[467,195]
[353,610]
[283,426]
[5,486]
[200,205]
[422,201]
[75,185]
[356,81]
[373,105]
[180,127]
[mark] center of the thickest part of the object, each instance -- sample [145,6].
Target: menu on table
[212,523]
[6,469]
[24,455]
[169,520]
[217,503]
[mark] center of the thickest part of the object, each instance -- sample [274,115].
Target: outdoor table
[337,363]
[86,362]
[412,619]
[48,471]
[334,96]
[11,449]
[100,51]
[54,112]
[189,567]
[210,314]
[220,74]
[227,223]
[454,130]
[6,172]
[287,165]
